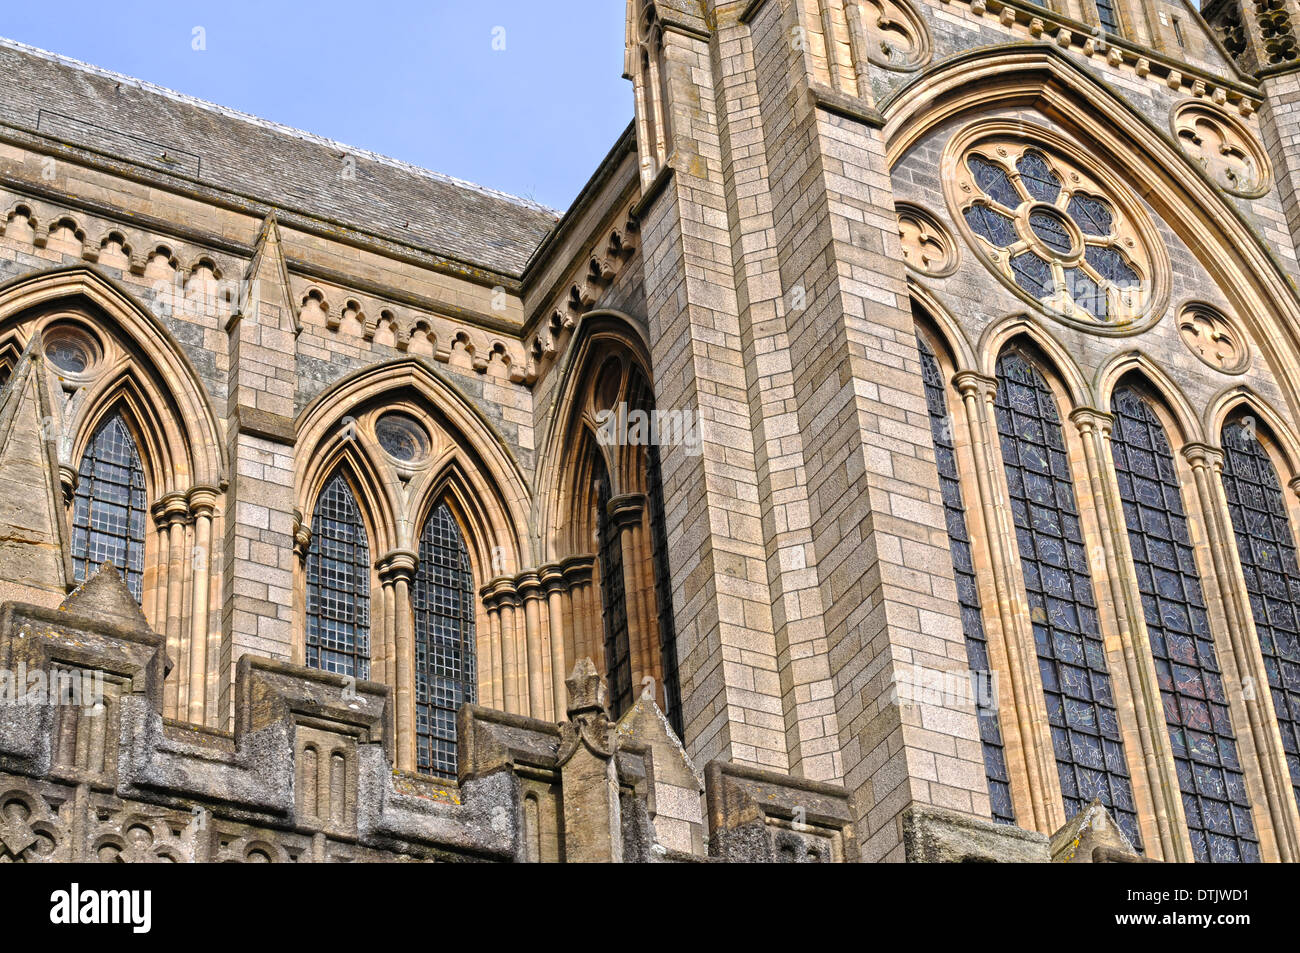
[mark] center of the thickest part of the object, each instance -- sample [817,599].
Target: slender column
[171,511]
[977,394]
[530,588]
[399,567]
[158,608]
[858,40]
[552,579]
[301,544]
[1245,659]
[625,511]
[584,640]
[1161,780]
[203,502]
[507,600]
[494,698]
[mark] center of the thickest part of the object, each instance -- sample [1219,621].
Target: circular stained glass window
[402,438]
[70,350]
[1055,233]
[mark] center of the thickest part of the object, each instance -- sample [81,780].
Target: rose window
[1054,234]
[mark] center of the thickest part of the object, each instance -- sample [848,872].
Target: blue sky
[418,80]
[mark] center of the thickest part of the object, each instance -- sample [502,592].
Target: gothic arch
[1129,365]
[338,454]
[1055,363]
[565,498]
[471,449]
[151,376]
[1243,400]
[1048,81]
[941,321]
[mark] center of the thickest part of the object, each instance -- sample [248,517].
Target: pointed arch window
[338,584]
[1268,563]
[1106,15]
[1058,584]
[613,594]
[1191,685]
[108,513]
[959,545]
[442,598]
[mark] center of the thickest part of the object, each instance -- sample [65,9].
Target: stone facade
[405,573]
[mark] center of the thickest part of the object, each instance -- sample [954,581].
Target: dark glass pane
[1204,747]
[997,228]
[1033,274]
[967,590]
[442,600]
[1086,293]
[338,585]
[1093,216]
[613,594]
[108,511]
[1268,561]
[1106,16]
[1111,265]
[1039,180]
[1067,637]
[1051,231]
[994,181]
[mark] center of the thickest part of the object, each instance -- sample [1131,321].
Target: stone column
[1157,782]
[1243,663]
[495,696]
[506,599]
[1026,739]
[202,502]
[397,569]
[584,639]
[626,513]
[530,590]
[170,513]
[553,582]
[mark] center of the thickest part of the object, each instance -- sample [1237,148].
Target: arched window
[1191,686]
[338,584]
[443,602]
[613,594]
[1067,634]
[108,513]
[1106,16]
[977,648]
[1268,562]
[664,593]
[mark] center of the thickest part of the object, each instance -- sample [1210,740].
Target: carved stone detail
[896,36]
[1216,340]
[928,247]
[1223,146]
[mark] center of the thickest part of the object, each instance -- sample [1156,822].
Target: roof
[86,106]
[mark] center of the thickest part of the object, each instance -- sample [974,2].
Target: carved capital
[1089,419]
[973,382]
[626,510]
[1202,455]
[397,566]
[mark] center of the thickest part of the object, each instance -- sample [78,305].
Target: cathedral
[893,454]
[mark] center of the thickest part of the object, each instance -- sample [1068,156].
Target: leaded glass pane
[1111,265]
[991,225]
[613,594]
[1051,230]
[1038,178]
[338,584]
[442,599]
[1268,562]
[1087,293]
[1093,216]
[108,512]
[1033,274]
[959,545]
[1187,668]
[1067,633]
[994,181]
[1106,16]
[664,594]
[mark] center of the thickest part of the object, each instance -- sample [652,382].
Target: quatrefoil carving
[928,247]
[896,36]
[1214,338]
[1223,146]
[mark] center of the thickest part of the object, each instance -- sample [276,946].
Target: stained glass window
[1106,16]
[1093,216]
[664,594]
[992,225]
[338,584]
[1051,230]
[1067,634]
[442,598]
[613,593]
[108,513]
[959,545]
[1191,685]
[995,182]
[1038,178]
[1268,562]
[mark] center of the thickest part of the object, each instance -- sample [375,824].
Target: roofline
[227,111]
